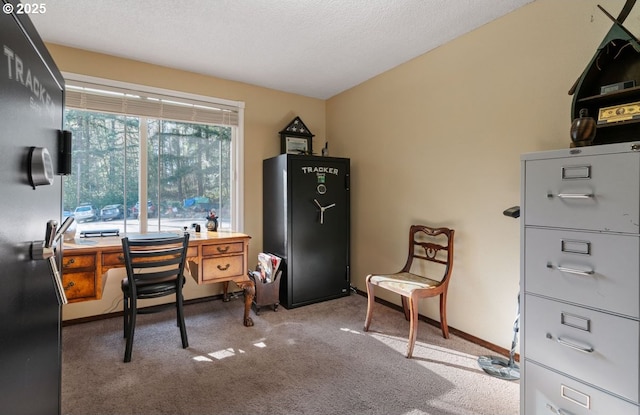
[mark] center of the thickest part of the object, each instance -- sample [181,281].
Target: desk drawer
[192,252]
[549,393]
[592,269]
[584,192]
[78,261]
[599,348]
[79,285]
[223,267]
[114,259]
[222,249]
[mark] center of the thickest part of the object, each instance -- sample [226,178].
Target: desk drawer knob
[223,250]
[224,268]
[71,284]
[121,258]
[69,262]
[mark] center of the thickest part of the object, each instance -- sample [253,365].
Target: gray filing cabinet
[580,281]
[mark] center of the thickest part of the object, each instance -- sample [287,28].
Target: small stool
[266,293]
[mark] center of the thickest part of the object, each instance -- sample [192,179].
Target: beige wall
[438,141]
[435,141]
[266,113]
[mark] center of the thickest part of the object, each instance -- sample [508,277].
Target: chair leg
[125,318]
[133,311]
[413,325]
[406,308]
[443,315]
[370,301]
[183,328]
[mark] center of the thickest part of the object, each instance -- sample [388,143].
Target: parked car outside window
[111,212]
[151,210]
[85,213]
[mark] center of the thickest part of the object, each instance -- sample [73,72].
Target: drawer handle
[576,271]
[121,258]
[70,262]
[558,411]
[71,284]
[575,346]
[224,268]
[573,270]
[573,195]
[223,250]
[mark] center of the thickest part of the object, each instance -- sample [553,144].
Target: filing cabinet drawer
[548,392]
[222,249]
[598,348]
[584,192]
[593,269]
[223,267]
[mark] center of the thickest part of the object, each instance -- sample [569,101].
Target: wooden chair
[155,268]
[417,279]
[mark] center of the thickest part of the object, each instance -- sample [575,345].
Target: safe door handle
[322,209]
[575,346]
[45,250]
[57,281]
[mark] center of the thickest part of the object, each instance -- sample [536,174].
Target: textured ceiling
[316,48]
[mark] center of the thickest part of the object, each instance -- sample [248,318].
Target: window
[147,161]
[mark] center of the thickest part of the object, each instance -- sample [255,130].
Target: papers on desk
[268,265]
[99,233]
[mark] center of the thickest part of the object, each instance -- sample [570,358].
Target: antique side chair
[425,274]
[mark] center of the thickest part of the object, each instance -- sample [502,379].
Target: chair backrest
[434,245]
[155,258]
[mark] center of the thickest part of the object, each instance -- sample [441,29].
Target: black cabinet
[609,87]
[31,112]
[306,221]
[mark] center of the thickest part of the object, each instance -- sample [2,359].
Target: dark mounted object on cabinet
[64,158]
[512,212]
[615,63]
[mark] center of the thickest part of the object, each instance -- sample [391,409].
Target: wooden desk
[212,257]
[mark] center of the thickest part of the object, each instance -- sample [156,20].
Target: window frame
[237,140]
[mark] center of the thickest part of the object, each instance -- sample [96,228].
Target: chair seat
[403,282]
[152,287]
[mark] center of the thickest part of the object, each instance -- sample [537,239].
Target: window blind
[117,100]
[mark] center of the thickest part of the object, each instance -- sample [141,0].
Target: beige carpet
[310,360]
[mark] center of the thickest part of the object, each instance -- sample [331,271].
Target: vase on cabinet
[583,129]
